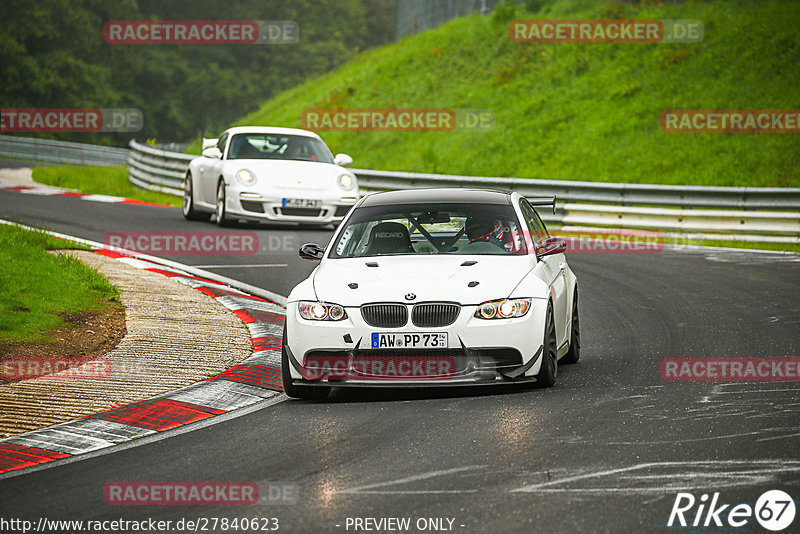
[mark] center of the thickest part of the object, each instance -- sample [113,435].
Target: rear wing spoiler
[543,201]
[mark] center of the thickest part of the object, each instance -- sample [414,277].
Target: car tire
[293,390]
[549,368]
[189,212]
[222,217]
[574,352]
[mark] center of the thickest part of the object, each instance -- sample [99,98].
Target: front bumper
[256,206]
[478,351]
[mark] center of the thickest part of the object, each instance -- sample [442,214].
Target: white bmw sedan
[433,287]
[272,174]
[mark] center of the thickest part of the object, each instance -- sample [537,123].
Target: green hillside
[575,111]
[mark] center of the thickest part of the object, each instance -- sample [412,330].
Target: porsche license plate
[301,203]
[411,340]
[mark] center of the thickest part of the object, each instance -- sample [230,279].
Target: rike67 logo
[774,511]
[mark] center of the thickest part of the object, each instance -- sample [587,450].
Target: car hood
[287,174]
[439,278]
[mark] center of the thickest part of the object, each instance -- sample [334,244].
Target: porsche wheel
[293,390]
[574,352]
[189,213]
[549,370]
[222,218]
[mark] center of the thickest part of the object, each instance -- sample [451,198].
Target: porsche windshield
[272,146]
[422,229]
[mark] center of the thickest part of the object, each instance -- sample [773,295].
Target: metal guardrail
[48,150]
[737,214]
[744,213]
[685,221]
[682,196]
[157,170]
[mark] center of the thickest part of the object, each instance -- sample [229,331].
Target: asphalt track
[13,164]
[605,450]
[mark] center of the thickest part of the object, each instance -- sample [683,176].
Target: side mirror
[208,143]
[311,251]
[212,152]
[551,245]
[343,160]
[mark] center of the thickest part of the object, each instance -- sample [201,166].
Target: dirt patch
[86,336]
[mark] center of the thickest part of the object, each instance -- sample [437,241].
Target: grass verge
[37,287]
[574,111]
[100,180]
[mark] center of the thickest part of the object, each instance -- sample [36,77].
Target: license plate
[301,203]
[412,340]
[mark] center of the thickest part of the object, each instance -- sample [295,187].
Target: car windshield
[436,228]
[272,146]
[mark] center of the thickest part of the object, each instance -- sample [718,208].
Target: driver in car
[293,150]
[479,230]
[298,149]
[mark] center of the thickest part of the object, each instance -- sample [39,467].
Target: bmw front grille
[423,315]
[434,314]
[385,315]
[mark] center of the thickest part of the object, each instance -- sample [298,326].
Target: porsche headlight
[503,309]
[346,182]
[321,311]
[246,177]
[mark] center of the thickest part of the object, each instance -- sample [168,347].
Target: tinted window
[221,143]
[271,146]
[535,224]
[436,228]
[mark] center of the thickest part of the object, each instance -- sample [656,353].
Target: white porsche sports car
[433,287]
[273,174]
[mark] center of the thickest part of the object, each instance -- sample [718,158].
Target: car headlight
[503,309]
[246,177]
[346,182]
[321,311]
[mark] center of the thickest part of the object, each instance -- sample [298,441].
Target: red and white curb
[253,380]
[51,191]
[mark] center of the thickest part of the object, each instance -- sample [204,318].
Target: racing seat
[389,238]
